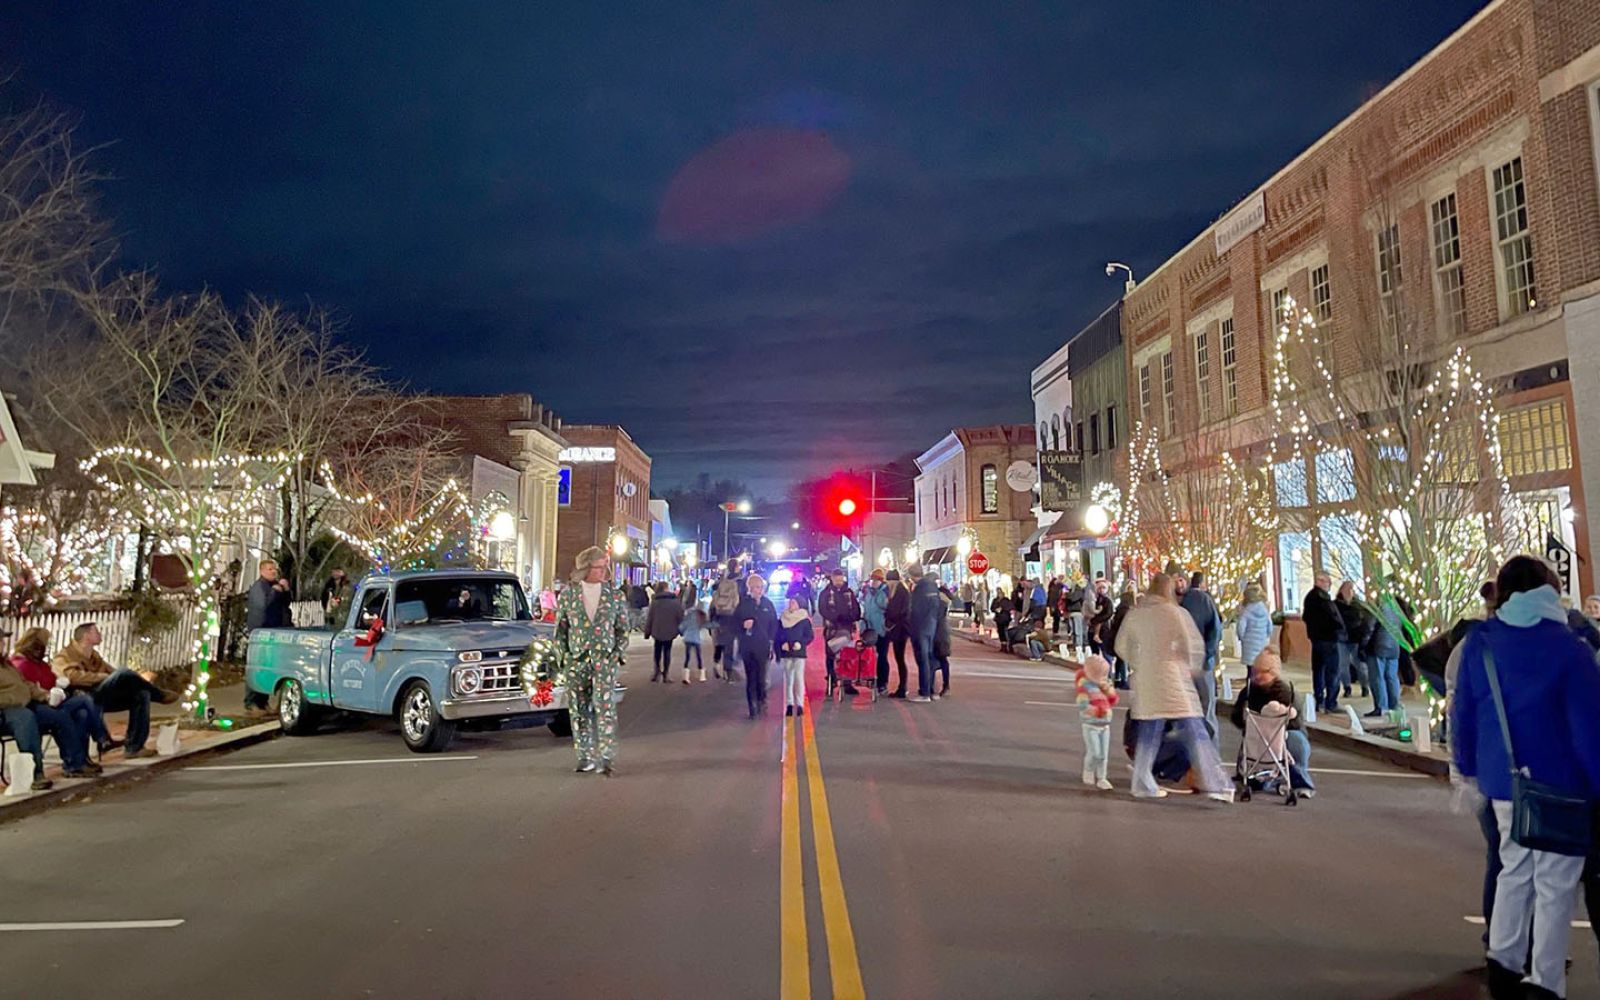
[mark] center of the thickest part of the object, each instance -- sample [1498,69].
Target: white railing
[174,648]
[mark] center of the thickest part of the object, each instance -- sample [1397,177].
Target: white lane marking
[1063,678]
[1053,704]
[1580,924]
[94,925]
[335,763]
[1372,774]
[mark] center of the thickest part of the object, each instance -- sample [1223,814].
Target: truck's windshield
[425,600]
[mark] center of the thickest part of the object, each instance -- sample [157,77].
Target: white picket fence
[173,649]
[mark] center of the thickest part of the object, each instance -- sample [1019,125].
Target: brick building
[608,492]
[509,446]
[1458,206]
[962,488]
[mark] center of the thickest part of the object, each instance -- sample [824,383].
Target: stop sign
[977,564]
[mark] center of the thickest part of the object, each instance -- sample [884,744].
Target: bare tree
[403,508]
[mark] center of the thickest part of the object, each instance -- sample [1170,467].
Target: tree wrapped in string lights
[1206,510]
[56,540]
[405,512]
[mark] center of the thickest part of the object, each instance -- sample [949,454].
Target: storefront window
[1295,572]
[1341,548]
[1336,476]
[1289,480]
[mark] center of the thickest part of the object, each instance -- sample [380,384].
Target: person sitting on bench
[114,689]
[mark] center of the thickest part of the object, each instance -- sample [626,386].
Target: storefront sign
[1021,476]
[564,487]
[1560,557]
[1241,222]
[1060,480]
[588,455]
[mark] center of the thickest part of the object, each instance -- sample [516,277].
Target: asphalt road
[958,856]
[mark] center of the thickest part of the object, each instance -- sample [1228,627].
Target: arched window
[990,477]
[1055,433]
[1044,434]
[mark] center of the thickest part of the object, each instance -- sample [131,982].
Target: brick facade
[950,492]
[607,496]
[1481,99]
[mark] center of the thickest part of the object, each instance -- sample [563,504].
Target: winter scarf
[1530,606]
[792,617]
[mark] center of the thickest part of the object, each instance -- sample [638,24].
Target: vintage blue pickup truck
[434,649]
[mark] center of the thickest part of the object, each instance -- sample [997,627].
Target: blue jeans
[126,691]
[922,650]
[28,724]
[1201,753]
[1035,649]
[1205,686]
[1325,663]
[86,716]
[1299,759]
[1385,682]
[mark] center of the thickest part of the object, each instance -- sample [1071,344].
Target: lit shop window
[1534,439]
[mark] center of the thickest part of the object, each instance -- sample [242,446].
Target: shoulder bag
[1543,818]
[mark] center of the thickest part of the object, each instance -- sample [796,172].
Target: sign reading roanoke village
[1060,480]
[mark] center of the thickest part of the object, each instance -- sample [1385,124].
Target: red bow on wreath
[543,693]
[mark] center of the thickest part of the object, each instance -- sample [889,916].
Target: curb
[1372,747]
[63,793]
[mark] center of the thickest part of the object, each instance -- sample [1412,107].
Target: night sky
[769,238]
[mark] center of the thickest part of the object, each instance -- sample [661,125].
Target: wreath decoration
[542,669]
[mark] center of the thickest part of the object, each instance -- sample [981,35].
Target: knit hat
[1096,668]
[893,574]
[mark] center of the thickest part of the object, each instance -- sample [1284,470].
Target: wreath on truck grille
[542,669]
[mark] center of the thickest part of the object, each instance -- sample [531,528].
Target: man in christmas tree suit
[592,635]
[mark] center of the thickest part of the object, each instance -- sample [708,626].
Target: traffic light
[847,507]
[840,504]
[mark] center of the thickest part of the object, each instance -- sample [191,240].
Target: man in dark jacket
[1203,610]
[661,624]
[1325,629]
[1053,598]
[926,607]
[266,606]
[336,593]
[897,619]
[840,611]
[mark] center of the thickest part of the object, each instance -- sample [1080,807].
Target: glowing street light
[885,556]
[744,506]
[779,548]
[964,546]
[1096,519]
[619,544]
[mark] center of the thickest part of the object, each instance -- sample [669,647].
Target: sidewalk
[1332,731]
[229,703]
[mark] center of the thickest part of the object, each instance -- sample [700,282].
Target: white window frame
[1593,94]
[1321,309]
[1278,308]
[1451,323]
[1146,400]
[1202,371]
[1169,393]
[1502,290]
[1228,349]
[1391,285]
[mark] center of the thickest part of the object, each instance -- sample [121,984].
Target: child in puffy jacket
[1096,696]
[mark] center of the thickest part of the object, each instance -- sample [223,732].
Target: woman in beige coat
[1165,652]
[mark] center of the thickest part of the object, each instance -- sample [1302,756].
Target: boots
[686,673]
[702,674]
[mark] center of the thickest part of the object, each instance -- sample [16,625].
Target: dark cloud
[478,189]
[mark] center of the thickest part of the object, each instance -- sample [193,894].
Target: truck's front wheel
[295,717]
[421,726]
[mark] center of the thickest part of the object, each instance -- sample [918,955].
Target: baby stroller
[1264,756]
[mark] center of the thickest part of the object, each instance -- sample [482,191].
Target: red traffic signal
[847,507]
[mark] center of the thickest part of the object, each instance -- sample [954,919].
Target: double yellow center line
[843,964]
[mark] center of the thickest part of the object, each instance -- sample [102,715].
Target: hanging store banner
[1560,557]
[1060,480]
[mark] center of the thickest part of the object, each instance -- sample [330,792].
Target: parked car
[433,649]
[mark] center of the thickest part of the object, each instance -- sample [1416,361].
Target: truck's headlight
[470,656]
[469,681]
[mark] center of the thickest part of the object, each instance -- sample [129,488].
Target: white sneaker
[936,697]
[1088,777]
[1103,785]
[1159,793]
[1306,793]
[919,699]
[1221,796]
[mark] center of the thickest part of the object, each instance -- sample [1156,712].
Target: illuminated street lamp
[691,556]
[728,509]
[885,556]
[779,548]
[911,552]
[964,545]
[1096,519]
[619,545]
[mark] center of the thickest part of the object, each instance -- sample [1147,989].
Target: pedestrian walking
[758,625]
[1325,628]
[1526,697]
[724,628]
[1052,597]
[689,594]
[638,605]
[1165,654]
[1096,696]
[980,604]
[1253,628]
[592,633]
[840,610]
[1099,612]
[1108,642]
[692,630]
[793,638]
[662,622]
[897,616]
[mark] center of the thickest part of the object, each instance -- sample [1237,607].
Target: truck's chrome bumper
[517,704]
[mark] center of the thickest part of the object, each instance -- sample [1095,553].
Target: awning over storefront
[941,555]
[1069,528]
[1032,541]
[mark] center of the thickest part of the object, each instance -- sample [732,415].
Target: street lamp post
[743,507]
